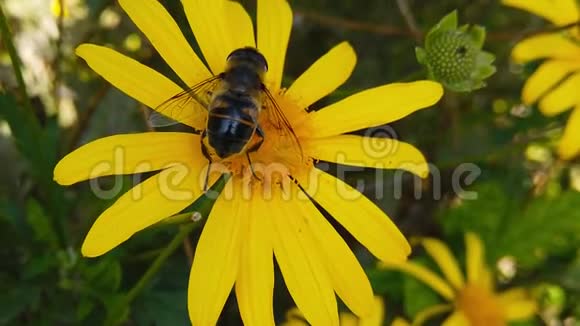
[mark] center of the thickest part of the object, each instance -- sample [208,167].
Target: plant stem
[156,265]
[202,206]
[407,14]
[117,312]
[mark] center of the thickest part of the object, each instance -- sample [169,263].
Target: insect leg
[257,145]
[205,153]
[252,167]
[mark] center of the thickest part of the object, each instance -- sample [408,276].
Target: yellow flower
[295,318]
[474,301]
[400,322]
[556,82]
[55,9]
[255,219]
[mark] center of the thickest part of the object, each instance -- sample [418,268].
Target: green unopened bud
[453,55]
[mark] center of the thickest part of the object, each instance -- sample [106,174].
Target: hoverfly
[233,101]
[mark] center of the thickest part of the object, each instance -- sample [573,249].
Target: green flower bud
[453,55]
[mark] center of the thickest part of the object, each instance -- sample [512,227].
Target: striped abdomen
[231,123]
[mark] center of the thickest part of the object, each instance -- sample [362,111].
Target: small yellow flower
[55,9]
[295,318]
[556,82]
[274,217]
[474,301]
[399,321]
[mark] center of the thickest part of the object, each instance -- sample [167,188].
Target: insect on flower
[258,220]
[232,100]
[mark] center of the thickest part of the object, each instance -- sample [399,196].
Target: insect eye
[250,55]
[262,60]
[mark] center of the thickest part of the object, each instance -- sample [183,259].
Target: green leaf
[162,308]
[26,135]
[84,308]
[386,282]
[485,69]
[104,275]
[40,264]
[570,278]
[477,34]
[482,215]
[15,300]
[13,211]
[548,226]
[39,147]
[40,223]
[447,23]
[421,55]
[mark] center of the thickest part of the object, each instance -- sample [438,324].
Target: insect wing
[279,120]
[187,107]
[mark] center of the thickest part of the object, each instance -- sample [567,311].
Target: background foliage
[527,210]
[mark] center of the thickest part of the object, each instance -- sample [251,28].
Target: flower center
[281,153]
[480,306]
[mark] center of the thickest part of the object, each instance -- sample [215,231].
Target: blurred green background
[527,210]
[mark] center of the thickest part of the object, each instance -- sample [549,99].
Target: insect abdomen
[230,125]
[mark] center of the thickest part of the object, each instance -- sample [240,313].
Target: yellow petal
[216,262]
[164,34]
[563,97]
[348,319]
[517,304]
[424,315]
[555,45]
[134,79]
[295,322]
[274,25]
[400,322]
[377,316]
[374,107]
[474,257]
[127,154]
[424,275]
[457,318]
[363,219]
[486,280]
[546,77]
[240,24]
[301,262]
[378,153]
[569,146]
[512,294]
[348,278]
[219,26]
[324,76]
[445,260]
[255,281]
[294,317]
[147,203]
[560,12]
[519,310]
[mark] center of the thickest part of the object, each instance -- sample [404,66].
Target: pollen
[480,306]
